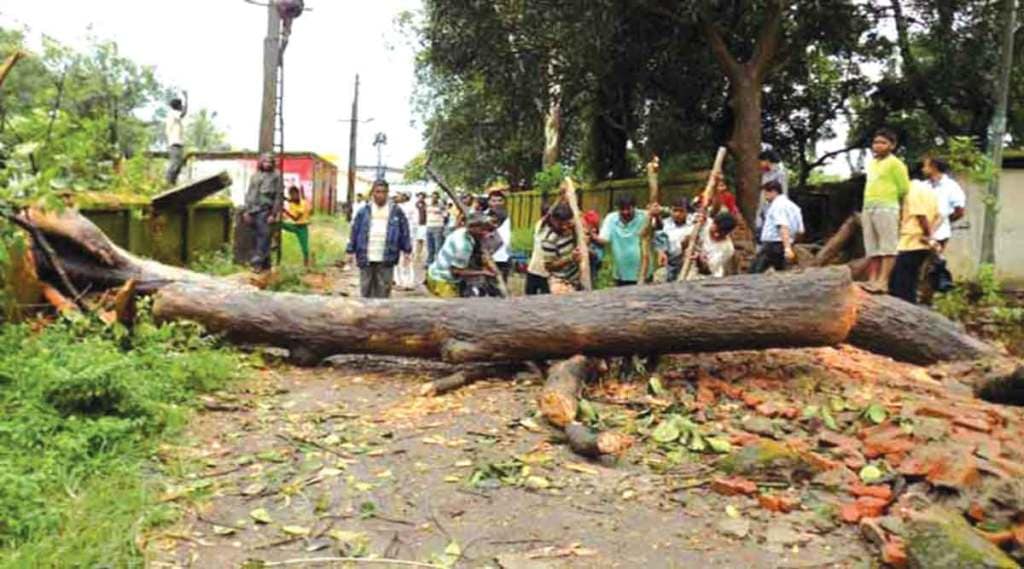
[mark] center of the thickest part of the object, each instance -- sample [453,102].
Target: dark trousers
[505,269]
[176,153]
[435,239]
[375,280]
[771,256]
[261,241]
[536,285]
[675,266]
[906,274]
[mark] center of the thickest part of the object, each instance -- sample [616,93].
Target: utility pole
[271,59]
[997,134]
[352,140]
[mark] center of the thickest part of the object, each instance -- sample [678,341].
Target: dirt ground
[355,455]
[349,460]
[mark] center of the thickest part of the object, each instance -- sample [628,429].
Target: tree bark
[559,404]
[889,326]
[812,308]
[815,307]
[837,243]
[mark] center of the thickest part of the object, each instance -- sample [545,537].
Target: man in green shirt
[623,230]
[887,183]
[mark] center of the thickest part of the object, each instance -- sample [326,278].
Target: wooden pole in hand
[709,192]
[488,261]
[581,236]
[645,238]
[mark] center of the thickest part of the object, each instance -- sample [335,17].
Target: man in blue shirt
[783,222]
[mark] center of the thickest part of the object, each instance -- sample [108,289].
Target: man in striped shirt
[560,254]
[453,265]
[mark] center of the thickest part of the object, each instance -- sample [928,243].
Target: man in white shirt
[715,249]
[772,170]
[669,240]
[783,223]
[497,212]
[175,132]
[952,200]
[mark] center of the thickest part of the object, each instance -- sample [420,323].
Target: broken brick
[834,439]
[854,460]
[734,486]
[882,492]
[819,462]
[886,439]
[936,411]
[1018,534]
[871,507]
[894,554]
[974,423]
[976,512]
[957,470]
[775,503]
[790,413]
[752,401]
[850,513]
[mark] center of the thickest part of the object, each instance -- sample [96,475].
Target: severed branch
[51,258]
[559,404]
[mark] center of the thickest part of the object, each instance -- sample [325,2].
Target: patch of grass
[328,237]
[82,408]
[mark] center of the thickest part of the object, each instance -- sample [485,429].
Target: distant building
[315,175]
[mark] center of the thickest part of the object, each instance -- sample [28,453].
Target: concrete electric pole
[997,134]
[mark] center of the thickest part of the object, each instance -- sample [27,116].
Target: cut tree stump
[834,247]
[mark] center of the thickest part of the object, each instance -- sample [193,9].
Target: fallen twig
[356,560]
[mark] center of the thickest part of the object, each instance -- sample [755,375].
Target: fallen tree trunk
[816,307]
[559,404]
[811,308]
[927,336]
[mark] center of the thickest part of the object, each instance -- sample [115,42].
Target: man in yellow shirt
[921,218]
[887,184]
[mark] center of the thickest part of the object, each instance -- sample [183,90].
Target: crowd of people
[464,248]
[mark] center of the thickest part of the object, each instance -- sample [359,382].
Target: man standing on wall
[175,131]
[887,183]
[262,209]
[380,235]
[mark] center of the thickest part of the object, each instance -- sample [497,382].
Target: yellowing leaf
[296,530]
[260,515]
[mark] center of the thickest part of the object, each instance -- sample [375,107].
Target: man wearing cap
[453,266]
[380,235]
[263,204]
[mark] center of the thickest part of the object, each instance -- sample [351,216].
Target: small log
[584,441]
[464,377]
[60,302]
[559,400]
[559,403]
[837,243]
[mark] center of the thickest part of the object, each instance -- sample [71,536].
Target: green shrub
[82,406]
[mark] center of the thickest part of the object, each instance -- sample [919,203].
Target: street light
[379,141]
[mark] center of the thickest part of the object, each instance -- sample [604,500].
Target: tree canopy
[644,77]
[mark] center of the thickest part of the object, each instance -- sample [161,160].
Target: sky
[214,49]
